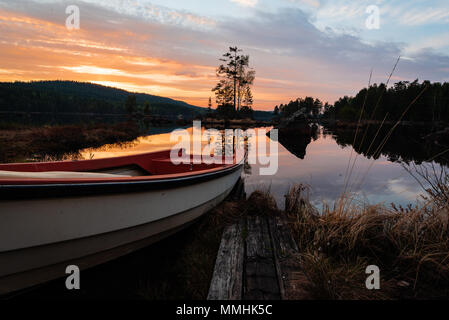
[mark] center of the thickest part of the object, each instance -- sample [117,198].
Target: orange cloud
[36,49]
[56,53]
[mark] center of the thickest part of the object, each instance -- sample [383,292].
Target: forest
[79,97]
[409,101]
[429,102]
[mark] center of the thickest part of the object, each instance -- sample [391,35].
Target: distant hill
[80,97]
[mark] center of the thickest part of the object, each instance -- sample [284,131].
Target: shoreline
[354,124]
[28,143]
[24,143]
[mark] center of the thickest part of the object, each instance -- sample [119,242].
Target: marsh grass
[410,246]
[435,181]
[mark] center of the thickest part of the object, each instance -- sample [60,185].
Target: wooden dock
[258,260]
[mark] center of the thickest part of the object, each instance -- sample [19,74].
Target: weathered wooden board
[292,280]
[258,259]
[227,280]
[260,281]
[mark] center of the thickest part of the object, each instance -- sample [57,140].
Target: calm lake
[322,168]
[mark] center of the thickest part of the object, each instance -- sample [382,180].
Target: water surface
[323,168]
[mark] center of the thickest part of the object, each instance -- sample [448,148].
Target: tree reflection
[407,144]
[296,139]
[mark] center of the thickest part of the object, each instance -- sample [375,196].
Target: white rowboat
[88,212]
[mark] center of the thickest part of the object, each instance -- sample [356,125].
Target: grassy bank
[410,246]
[21,143]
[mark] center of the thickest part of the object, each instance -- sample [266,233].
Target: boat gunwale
[54,188]
[67,181]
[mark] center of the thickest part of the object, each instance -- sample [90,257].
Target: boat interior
[141,165]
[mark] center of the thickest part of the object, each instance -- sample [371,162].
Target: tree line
[78,97]
[379,102]
[382,103]
[312,107]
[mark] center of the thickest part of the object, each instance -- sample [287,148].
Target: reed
[410,246]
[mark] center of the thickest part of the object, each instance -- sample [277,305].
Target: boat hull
[41,237]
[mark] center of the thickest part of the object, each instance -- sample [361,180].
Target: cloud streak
[246,3]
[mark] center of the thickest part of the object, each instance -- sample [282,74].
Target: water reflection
[405,144]
[318,159]
[157,140]
[296,140]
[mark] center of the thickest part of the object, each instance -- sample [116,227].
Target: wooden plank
[260,281]
[292,280]
[226,281]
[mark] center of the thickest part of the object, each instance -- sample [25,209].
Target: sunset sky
[171,48]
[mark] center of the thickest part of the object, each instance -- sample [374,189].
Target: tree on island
[245,80]
[246,110]
[234,85]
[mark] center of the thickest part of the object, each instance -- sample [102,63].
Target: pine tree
[234,78]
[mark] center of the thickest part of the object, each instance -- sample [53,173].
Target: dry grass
[410,246]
